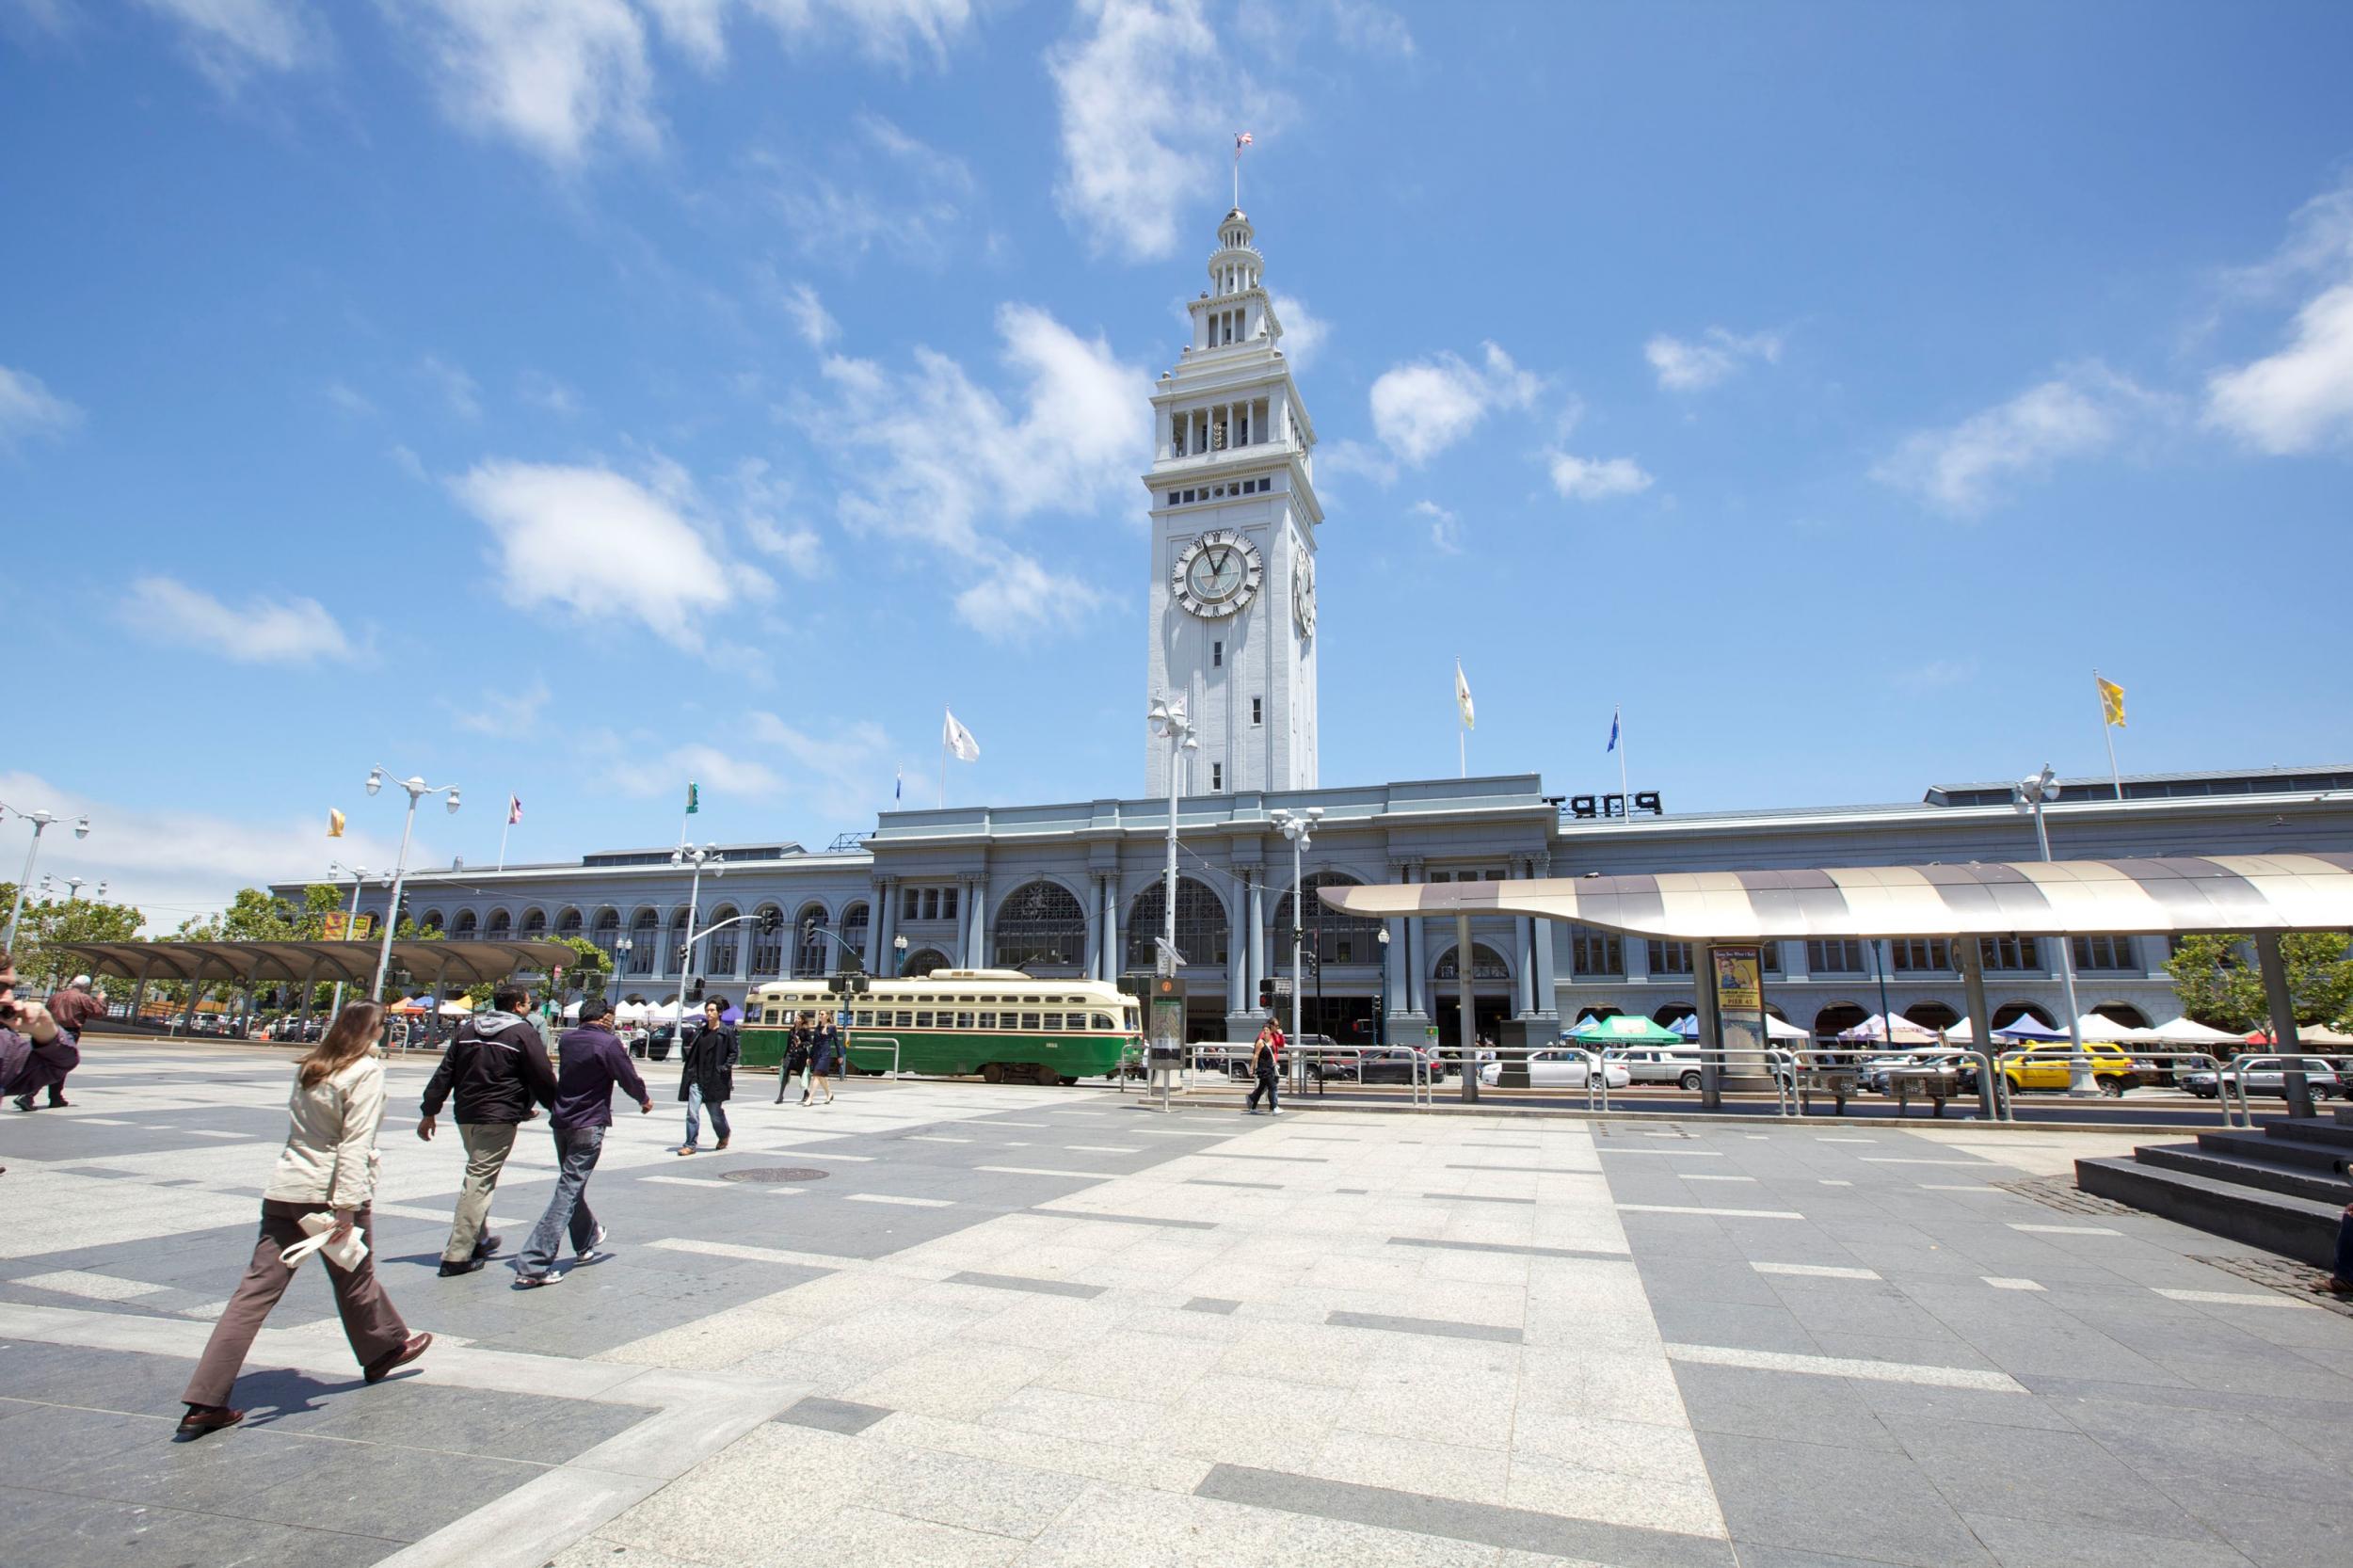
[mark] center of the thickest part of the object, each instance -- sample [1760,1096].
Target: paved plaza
[993,1325]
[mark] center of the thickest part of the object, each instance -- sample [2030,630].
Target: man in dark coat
[498,1066]
[707,1076]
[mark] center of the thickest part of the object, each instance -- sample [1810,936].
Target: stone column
[1095,929]
[1523,970]
[1114,958]
[976,951]
[1258,938]
[883,926]
[2283,1037]
[1972,964]
[1548,934]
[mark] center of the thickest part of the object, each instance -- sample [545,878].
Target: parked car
[1560,1070]
[2266,1075]
[1677,1065]
[1873,1073]
[2045,1066]
[1398,1065]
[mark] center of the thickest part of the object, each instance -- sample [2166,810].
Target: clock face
[1304,595]
[1217,574]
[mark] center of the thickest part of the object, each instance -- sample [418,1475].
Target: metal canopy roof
[435,962]
[2251,893]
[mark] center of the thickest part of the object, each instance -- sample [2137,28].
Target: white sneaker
[1273,1109]
[596,1244]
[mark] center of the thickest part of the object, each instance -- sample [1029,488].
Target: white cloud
[1019,602]
[840,770]
[696,28]
[1445,529]
[1685,365]
[1370,29]
[289,631]
[930,455]
[506,713]
[1419,410]
[537,387]
[2300,398]
[2084,410]
[458,388]
[29,408]
[1596,478]
[350,399]
[176,864]
[556,76]
[763,498]
[877,189]
[1137,81]
[1936,674]
[1303,332]
[886,30]
[602,545]
[231,39]
[810,318]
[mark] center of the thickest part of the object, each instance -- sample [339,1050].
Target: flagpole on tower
[1241,139]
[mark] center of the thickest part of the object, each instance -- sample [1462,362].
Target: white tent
[2188,1031]
[2099,1026]
[1775,1029]
[629,1012]
[571,1013]
[456,1007]
[1878,1029]
[661,1012]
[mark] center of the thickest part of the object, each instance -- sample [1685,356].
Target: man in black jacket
[707,1079]
[498,1066]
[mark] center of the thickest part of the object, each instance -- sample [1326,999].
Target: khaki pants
[487,1144]
[371,1322]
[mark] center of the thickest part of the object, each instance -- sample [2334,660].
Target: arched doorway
[501,926]
[923,962]
[2123,1013]
[1932,1015]
[2010,1012]
[1491,996]
[1674,1014]
[1203,938]
[1836,1017]
[1041,929]
[1585,1012]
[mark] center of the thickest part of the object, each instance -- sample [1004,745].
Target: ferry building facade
[1076,889]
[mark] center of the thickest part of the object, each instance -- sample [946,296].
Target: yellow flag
[2111,700]
[334,823]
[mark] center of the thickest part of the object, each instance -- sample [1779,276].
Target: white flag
[959,740]
[1461,696]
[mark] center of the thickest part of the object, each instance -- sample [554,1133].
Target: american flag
[1241,139]
[513,810]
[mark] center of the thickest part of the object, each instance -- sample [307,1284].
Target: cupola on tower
[1234,518]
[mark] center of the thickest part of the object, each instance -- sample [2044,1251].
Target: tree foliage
[46,923]
[2220,984]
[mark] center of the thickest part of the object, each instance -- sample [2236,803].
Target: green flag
[693,798]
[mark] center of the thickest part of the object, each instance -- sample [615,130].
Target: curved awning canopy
[2251,893]
[429,962]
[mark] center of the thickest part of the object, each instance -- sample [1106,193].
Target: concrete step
[2297,1182]
[2327,1159]
[2293,1227]
[2314,1130]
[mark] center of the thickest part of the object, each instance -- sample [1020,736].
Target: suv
[1675,1065]
[2266,1075]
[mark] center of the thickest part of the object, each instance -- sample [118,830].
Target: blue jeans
[695,1103]
[576,1152]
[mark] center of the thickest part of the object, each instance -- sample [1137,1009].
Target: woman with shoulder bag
[796,1064]
[329,1164]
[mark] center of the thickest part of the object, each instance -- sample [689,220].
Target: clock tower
[1234,518]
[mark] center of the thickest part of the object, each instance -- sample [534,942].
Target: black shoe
[202,1419]
[24,1102]
[58,1102]
[391,1361]
[451,1271]
[487,1247]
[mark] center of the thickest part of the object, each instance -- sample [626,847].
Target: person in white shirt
[329,1163]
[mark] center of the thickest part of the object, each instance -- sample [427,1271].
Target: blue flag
[1614,733]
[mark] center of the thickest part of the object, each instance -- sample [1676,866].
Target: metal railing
[873,1040]
[2226,1081]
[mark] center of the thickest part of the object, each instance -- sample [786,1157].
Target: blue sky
[572,397]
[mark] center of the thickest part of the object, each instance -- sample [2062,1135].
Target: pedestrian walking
[329,1162]
[707,1075]
[795,1060]
[1266,1062]
[498,1069]
[824,1055]
[593,1061]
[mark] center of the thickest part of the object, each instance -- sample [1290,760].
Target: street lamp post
[707,856]
[2029,798]
[1167,715]
[899,956]
[418,789]
[351,925]
[1299,827]
[1381,1020]
[39,820]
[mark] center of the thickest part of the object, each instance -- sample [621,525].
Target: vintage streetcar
[1000,1025]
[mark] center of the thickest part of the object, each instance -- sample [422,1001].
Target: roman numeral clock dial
[1217,574]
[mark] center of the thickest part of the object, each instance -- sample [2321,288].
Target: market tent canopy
[1624,1028]
[2254,893]
[2189,1031]
[1897,1031]
[434,964]
[1774,1028]
[2307,1036]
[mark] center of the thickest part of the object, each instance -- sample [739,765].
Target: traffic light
[771,921]
[1266,993]
[695,992]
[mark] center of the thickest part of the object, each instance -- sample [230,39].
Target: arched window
[1333,937]
[2010,1012]
[1486,964]
[1932,1015]
[1585,1012]
[605,933]
[1201,936]
[432,920]
[924,961]
[1041,928]
[768,946]
[1672,1013]
[720,949]
[854,923]
[2123,1013]
[502,926]
[536,924]
[645,942]
[1837,1015]
[810,948]
[468,926]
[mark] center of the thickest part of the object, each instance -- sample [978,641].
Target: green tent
[1624,1028]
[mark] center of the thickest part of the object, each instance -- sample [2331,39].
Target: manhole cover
[781,1175]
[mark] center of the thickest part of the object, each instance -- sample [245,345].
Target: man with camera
[34,1053]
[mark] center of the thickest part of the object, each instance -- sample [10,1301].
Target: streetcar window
[1051,1023]
[865,1019]
[963,1020]
[1029,1022]
[1132,1021]
[988,1020]
[922,1021]
[1102,1021]
[905,1020]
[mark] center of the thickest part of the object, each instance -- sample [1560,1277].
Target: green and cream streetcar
[999,1024]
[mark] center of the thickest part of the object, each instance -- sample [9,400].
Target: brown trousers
[371,1322]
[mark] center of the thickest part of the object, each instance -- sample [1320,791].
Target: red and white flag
[513,810]
[1241,139]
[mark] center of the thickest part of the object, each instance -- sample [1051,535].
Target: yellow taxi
[2045,1066]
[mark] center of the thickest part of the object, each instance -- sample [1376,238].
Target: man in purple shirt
[593,1060]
